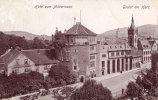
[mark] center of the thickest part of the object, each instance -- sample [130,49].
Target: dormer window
[112,54]
[26,61]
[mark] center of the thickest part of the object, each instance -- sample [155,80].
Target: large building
[80,51]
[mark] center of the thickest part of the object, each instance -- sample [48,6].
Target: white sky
[97,15]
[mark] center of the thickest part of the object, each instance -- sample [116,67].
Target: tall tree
[91,90]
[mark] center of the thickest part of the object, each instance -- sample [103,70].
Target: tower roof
[79,29]
[132,23]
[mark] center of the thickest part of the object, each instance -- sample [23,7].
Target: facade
[80,51]
[23,61]
[119,58]
[145,47]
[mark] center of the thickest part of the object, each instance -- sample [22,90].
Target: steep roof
[38,56]
[79,29]
[9,56]
[144,44]
[132,24]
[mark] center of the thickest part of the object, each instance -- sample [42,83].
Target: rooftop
[38,56]
[79,29]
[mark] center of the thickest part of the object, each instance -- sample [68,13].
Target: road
[119,82]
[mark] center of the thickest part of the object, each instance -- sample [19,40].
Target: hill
[27,35]
[144,31]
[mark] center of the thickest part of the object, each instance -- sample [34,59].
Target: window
[45,67]
[117,53]
[92,64]
[75,67]
[144,52]
[102,72]
[104,55]
[15,70]
[27,69]
[26,61]
[92,57]
[92,47]
[122,53]
[67,56]
[75,51]
[112,54]
[103,65]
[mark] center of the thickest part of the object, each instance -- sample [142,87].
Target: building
[80,51]
[145,47]
[23,61]
[119,58]
[136,58]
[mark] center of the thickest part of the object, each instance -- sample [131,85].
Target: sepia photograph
[78,49]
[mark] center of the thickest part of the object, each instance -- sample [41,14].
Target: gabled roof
[38,56]
[9,56]
[79,29]
[144,44]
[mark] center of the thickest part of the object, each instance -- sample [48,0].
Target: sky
[97,15]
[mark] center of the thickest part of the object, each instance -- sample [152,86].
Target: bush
[16,84]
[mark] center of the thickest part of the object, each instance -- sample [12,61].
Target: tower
[133,35]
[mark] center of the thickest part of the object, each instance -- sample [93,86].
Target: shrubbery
[146,86]
[17,84]
[20,84]
[91,90]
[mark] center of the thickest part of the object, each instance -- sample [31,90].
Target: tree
[37,44]
[133,90]
[148,82]
[59,41]
[91,90]
[61,73]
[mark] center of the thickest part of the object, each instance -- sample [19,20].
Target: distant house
[23,61]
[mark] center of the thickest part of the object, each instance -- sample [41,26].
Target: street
[119,82]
